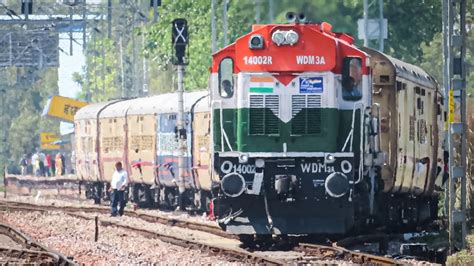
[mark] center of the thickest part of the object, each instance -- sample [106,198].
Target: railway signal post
[180,42]
[454,81]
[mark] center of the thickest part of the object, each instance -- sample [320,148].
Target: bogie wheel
[171,198]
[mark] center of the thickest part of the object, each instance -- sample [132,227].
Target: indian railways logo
[310,60]
[311,85]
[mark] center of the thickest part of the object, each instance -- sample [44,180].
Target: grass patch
[463,257]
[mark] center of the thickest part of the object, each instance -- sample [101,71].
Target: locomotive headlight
[243,158]
[233,185]
[278,37]
[329,158]
[336,185]
[291,37]
[259,163]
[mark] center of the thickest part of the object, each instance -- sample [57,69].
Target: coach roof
[92,110]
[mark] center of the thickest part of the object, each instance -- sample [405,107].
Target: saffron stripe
[261,90]
[261,79]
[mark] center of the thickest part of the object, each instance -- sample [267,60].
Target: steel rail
[234,253]
[336,252]
[30,248]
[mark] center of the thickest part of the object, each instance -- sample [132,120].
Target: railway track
[17,248]
[308,252]
[236,254]
[339,253]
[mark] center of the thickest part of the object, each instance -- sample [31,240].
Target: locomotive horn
[302,18]
[291,17]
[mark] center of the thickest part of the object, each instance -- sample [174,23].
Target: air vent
[306,114]
[263,115]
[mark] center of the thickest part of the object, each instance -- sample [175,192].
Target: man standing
[117,187]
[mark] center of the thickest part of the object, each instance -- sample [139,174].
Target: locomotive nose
[336,185]
[233,185]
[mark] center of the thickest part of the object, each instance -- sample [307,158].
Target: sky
[68,64]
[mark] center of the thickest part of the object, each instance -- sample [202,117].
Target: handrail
[361,145]
[221,122]
[377,106]
[350,136]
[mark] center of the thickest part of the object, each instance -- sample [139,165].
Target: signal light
[179,40]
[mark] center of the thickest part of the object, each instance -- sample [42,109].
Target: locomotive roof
[407,71]
[91,110]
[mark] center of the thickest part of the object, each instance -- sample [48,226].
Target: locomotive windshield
[352,79]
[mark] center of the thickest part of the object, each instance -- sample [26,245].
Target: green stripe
[261,90]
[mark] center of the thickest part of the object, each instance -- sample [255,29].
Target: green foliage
[159,48]
[27,90]
[433,60]
[98,80]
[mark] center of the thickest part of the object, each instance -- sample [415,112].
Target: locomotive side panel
[141,147]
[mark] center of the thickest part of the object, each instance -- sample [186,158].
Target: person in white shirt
[117,188]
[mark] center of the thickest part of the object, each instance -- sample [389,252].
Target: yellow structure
[47,139]
[62,108]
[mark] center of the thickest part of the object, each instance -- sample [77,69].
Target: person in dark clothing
[63,167]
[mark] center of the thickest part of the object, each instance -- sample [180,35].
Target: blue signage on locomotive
[311,85]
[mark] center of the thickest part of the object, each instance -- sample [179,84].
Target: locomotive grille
[306,114]
[263,114]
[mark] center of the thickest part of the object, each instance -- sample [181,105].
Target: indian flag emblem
[259,84]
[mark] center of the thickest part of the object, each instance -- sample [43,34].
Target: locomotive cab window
[226,81]
[352,79]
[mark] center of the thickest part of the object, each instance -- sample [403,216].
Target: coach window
[226,81]
[352,79]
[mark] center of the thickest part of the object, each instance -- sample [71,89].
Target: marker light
[256,41]
[278,37]
[291,37]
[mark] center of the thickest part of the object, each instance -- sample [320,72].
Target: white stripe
[286,154]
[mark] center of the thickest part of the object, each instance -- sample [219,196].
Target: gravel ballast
[75,237]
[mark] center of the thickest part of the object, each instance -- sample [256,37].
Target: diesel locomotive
[313,135]
[300,132]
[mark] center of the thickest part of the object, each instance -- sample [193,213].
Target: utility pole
[155,11]
[180,41]
[366,23]
[381,44]
[213,27]
[271,15]
[454,17]
[109,19]
[224,21]
[257,11]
